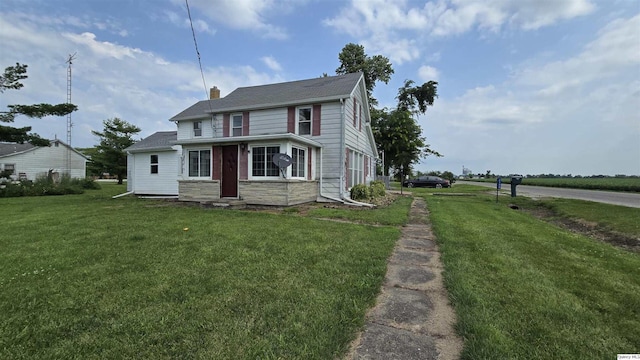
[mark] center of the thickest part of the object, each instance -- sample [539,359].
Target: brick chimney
[214,93]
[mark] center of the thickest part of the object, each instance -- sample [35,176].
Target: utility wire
[198,53]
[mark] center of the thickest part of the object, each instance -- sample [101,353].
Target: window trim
[301,164]
[356,168]
[199,151]
[154,165]
[267,161]
[233,126]
[310,121]
[13,167]
[197,128]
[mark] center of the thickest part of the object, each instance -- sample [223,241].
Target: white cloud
[109,80]
[581,109]
[393,27]
[271,63]
[183,22]
[103,48]
[243,14]
[426,73]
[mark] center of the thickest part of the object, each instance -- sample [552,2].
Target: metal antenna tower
[69,123]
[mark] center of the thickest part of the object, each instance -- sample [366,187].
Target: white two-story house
[225,146]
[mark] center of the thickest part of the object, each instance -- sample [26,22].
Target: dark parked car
[427,181]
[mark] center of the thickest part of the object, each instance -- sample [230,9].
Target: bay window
[298,164]
[262,161]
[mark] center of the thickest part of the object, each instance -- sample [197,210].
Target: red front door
[230,171]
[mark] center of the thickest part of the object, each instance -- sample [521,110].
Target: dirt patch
[303,209]
[590,229]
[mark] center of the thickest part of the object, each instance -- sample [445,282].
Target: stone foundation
[198,190]
[252,192]
[278,192]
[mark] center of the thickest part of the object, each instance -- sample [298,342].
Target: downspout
[121,195]
[342,151]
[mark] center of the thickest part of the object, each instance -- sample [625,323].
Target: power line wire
[195,42]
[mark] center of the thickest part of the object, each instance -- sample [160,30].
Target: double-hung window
[199,163]
[197,128]
[236,124]
[262,161]
[356,168]
[154,164]
[298,163]
[10,168]
[304,120]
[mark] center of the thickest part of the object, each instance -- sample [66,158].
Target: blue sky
[526,86]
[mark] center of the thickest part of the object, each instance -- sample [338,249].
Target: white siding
[39,161]
[185,128]
[165,182]
[270,121]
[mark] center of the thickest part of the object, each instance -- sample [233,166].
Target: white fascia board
[309,101]
[250,138]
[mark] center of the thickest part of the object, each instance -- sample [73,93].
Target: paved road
[607,197]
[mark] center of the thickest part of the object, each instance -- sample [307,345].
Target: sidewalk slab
[381,342]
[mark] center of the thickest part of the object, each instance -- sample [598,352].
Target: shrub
[5,174]
[12,190]
[88,183]
[360,192]
[377,189]
[44,185]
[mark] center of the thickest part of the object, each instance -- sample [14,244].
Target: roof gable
[9,149]
[274,95]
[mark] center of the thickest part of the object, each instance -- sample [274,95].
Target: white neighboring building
[29,162]
[153,165]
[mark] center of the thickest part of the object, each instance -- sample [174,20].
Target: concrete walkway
[412,318]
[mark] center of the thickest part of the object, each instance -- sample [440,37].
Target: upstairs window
[236,122]
[355,112]
[197,128]
[154,164]
[304,120]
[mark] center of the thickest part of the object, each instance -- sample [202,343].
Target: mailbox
[515,181]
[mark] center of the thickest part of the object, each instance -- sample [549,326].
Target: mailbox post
[515,181]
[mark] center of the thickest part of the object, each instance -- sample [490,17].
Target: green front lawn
[525,289]
[90,277]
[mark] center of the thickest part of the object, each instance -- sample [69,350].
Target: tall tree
[109,155]
[11,80]
[417,98]
[400,137]
[377,68]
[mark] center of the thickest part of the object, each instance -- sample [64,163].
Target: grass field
[525,289]
[622,219]
[90,277]
[613,184]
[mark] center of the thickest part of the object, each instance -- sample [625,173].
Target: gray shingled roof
[272,95]
[156,141]
[11,148]
[7,149]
